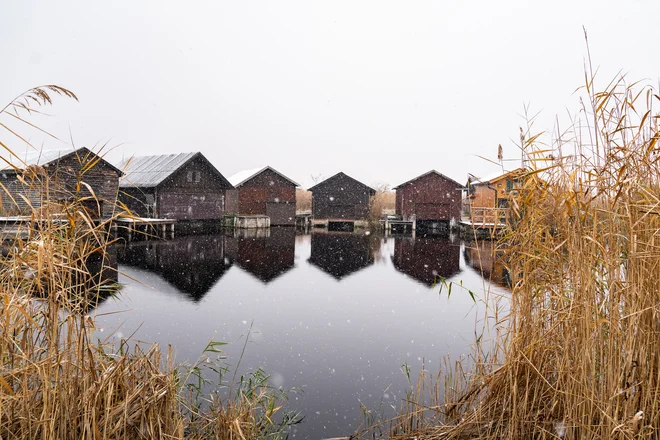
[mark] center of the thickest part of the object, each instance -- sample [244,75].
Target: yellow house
[489,198]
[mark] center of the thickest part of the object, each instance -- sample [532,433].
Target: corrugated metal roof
[150,171]
[243,176]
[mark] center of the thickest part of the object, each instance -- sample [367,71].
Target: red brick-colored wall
[266,188]
[431,197]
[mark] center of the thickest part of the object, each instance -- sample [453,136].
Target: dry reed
[581,359]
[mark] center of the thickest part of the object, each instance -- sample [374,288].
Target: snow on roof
[243,176]
[42,157]
[492,176]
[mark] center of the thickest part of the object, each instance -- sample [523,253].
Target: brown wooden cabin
[264,191]
[431,197]
[490,198]
[341,199]
[184,186]
[426,259]
[58,177]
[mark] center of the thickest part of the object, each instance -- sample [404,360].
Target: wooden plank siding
[62,181]
[341,197]
[431,196]
[265,193]
[496,192]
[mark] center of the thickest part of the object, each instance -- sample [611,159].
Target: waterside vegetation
[57,381]
[579,359]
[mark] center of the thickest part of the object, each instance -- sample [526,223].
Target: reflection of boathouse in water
[484,258]
[192,264]
[265,254]
[100,279]
[426,258]
[341,254]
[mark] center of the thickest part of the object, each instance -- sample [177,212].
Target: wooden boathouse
[431,201]
[182,187]
[489,199]
[263,192]
[57,177]
[340,203]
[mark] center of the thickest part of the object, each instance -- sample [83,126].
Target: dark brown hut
[431,197]
[340,199]
[264,191]
[59,176]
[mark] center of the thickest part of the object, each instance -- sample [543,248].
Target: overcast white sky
[381,90]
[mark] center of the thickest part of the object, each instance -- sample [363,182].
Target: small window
[190,176]
[198,176]
[509,184]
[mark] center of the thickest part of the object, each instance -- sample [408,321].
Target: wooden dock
[484,223]
[398,226]
[21,226]
[339,224]
[257,221]
[304,220]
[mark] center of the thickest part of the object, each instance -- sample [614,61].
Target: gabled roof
[151,171]
[46,158]
[426,174]
[338,175]
[494,177]
[241,177]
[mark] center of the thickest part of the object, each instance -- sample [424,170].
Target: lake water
[333,314]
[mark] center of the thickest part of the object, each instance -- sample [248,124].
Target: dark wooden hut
[263,191]
[431,197]
[426,259]
[340,200]
[59,176]
[184,186]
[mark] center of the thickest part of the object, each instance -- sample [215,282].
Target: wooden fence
[490,217]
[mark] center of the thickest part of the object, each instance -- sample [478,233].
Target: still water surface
[333,314]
